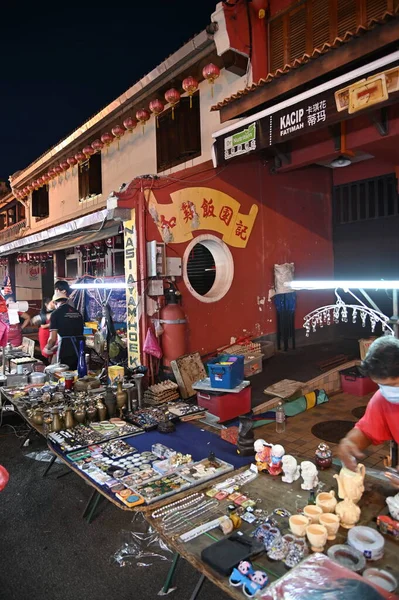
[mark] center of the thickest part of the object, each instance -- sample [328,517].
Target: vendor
[66,329]
[44,329]
[15,331]
[381,420]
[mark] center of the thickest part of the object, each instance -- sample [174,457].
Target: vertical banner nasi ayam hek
[132,292]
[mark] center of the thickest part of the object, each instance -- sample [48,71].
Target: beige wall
[136,156]
[28,282]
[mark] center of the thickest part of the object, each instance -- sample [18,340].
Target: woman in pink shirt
[381,420]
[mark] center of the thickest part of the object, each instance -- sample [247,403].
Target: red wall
[293,225]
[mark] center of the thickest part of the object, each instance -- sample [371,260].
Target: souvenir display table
[274,499]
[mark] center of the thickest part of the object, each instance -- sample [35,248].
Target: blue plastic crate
[227,376]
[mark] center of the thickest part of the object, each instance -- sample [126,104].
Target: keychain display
[162,487]
[117,448]
[206,469]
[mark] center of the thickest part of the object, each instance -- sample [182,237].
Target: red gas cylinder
[174,323]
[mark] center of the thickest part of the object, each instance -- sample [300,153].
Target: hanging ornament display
[130,124]
[118,131]
[88,151]
[107,139]
[97,145]
[211,72]
[340,313]
[172,97]
[143,116]
[72,162]
[190,85]
[156,107]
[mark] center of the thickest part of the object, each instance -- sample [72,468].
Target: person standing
[66,329]
[15,331]
[44,329]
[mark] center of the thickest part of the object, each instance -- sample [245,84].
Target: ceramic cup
[312,512]
[326,501]
[331,523]
[317,536]
[298,524]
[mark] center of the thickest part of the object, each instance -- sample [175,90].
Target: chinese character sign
[199,209]
[132,295]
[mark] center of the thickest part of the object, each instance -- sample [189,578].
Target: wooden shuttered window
[179,139]
[309,24]
[90,177]
[40,202]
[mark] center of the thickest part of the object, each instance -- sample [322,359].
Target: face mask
[390,393]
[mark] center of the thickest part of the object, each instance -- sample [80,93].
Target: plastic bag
[141,546]
[42,456]
[151,345]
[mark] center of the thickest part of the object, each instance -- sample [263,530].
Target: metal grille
[201,269]
[373,198]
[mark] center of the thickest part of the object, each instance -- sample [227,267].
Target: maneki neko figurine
[275,465]
[263,455]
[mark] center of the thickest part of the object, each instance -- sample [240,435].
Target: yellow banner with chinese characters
[201,208]
[132,294]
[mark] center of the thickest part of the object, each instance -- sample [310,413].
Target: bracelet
[179,519]
[171,508]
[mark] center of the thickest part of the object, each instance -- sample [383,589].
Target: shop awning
[366,88]
[84,230]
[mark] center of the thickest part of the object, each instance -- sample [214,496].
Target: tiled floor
[300,442]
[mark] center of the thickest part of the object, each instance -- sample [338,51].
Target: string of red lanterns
[172,96]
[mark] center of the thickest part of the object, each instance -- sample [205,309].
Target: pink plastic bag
[151,345]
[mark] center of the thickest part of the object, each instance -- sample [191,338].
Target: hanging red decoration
[143,116]
[118,131]
[64,165]
[97,145]
[51,173]
[46,178]
[88,151]
[58,170]
[211,72]
[72,162]
[172,97]
[156,107]
[35,184]
[107,139]
[25,192]
[30,187]
[190,85]
[130,124]
[80,157]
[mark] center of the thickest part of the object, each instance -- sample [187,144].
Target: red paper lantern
[25,191]
[190,85]
[58,170]
[30,187]
[107,139]
[143,116]
[130,124]
[45,178]
[51,173]
[97,145]
[64,165]
[88,151]
[36,184]
[156,107]
[211,72]
[118,131]
[71,160]
[172,97]
[80,157]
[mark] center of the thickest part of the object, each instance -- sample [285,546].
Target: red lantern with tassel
[58,170]
[107,139]
[64,166]
[190,85]
[97,145]
[118,131]
[172,97]
[30,187]
[25,191]
[130,124]
[211,72]
[156,107]
[88,151]
[72,162]
[46,178]
[80,157]
[143,116]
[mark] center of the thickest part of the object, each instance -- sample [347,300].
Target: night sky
[62,64]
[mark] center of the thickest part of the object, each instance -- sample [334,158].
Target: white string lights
[340,312]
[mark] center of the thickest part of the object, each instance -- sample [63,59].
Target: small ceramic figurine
[393,506]
[323,456]
[263,454]
[351,483]
[290,468]
[309,475]
[275,465]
